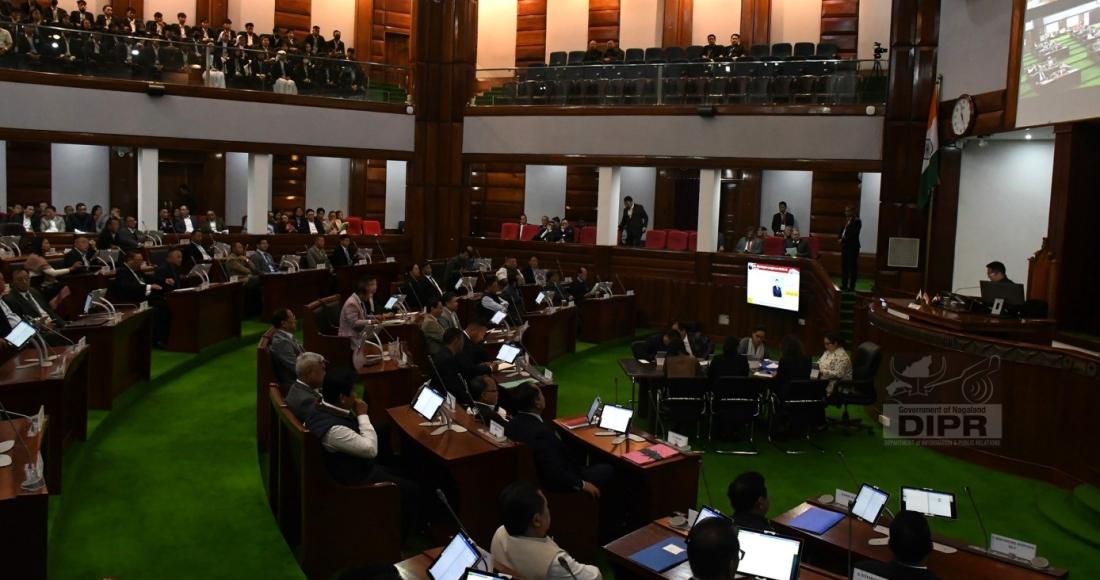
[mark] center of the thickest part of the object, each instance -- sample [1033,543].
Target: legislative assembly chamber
[549,289]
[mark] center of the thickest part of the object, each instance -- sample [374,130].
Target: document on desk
[514,384]
[816,520]
[651,454]
[663,555]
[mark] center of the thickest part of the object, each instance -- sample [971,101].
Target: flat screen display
[460,555]
[20,334]
[773,285]
[1059,62]
[497,318]
[427,402]
[869,503]
[939,504]
[392,302]
[508,353]
[768,555]
[707,512]
[616,419]
[592,409]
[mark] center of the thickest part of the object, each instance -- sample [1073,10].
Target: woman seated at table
[730,363]
[835,364]
[794,365]
[750,243]
[38,265]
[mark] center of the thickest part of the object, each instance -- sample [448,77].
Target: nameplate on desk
[451,402]
[234,279]
[80,343]
[914,306]
[678,440]
[844,498]
[1007,546]
[629,292]
[320,266]
[496,429]
[549,374]
[362,262]
[391,260]
[858,574]
[185,242]
[143,306]
[897,313]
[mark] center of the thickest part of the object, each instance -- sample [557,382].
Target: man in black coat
[169,274]
[634,222]
[129,286]
[80,220]
[27,301]
[782,219]
[344,254]
[81,252]
[849,249]
[448,374]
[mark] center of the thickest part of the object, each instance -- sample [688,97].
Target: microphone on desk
[443,498]
[977,512]
[565,564]
[379,244]
[848,516]
[621,285]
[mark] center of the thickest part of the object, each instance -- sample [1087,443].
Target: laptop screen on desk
[455,559]
[616,419]
[768,555]
[508,353]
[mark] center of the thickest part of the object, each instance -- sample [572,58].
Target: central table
[23,537]
[552,333]
[201,316]
[607,318]
[121,352]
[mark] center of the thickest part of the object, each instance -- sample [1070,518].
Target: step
[1061,511]
[1087,499]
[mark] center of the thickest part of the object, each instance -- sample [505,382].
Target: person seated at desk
[448,374]
[129,286]
[475,364]
[196,252]
[360,307]
[754,346]
[553,284]
[669,342]
[429,288]
[169,275]
[523,544]
[730,363]
[432,327]
[109,237]
[735,50]
[284,348]
[579,287]
[8,318]
[449,317]
[512,295]
[797,242]
[750,243]
[508,269]
[748,494]
[81,253]
[315,255]
[38,265]
[129,236]
[165,223]
[782,219]
[345,252]
[452,273]
[995,271]
[568,234]
[713,549]
[491,303]
[305,392]
[531,269]
[692,341]
[834,364]
[186,224]
[51,223]
[544,230]
[555,234]
[411,288]
[556,470]
[80,221]
[262,259]
[911,544]
[213,225]
[238,264]
[28,302]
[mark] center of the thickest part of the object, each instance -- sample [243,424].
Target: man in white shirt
[522,543]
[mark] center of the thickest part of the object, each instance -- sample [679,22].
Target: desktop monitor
[427,402]
[931,503]
[768,555]
[869,503]
[705,513]
[508,353]
[20,334]
[498,318]
[1012,293]
[459,555]
[616,418]
[773,285]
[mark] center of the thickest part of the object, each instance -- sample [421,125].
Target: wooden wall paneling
[840,25]
[497,194]
[603,20]
[531,32]
[830,193]
[293,15]
[662,214]
[392,19]
[944,215]
[755,22]
[1015,53]
[677,22]
[29,172]
[581,194]
[364,28]
[741,205]
[202,171]
[216,11]
[288,182]
[122,175]
[367,189]
[211,193]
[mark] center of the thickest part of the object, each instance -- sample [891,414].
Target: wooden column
[755,22]
[603,20]
[530,32]
[676,23]
[29,172]
[913,44]
[840,25]
[444,68]
[944,213]
[123,190]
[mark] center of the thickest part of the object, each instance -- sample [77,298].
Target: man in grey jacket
[305,393]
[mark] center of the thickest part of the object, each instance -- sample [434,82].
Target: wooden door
[397,55]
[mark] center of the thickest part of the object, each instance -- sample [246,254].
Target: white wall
[396,174]
[169,8]
[718,17]
[236,187]
[793,187]
[874,26]
[3,175]
[496,36]
[1004,202]
[258,12]
[871,186]
[641,184]
[973,50]
[331,15]
[544,192]
[327,182]
[797,21]
[80,174]
[640,23]
[566,25]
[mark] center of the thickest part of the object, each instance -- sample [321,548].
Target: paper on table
[514,384]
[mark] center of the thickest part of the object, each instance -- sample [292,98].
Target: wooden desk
[23,537]
[470,469]
[642,378]
[416,568]
[201,317]
[1034,330]
[619,552]
[293,290]
[551,334]
[121,352]
[79,287]
[412,339]
[62,388]
[657,489]
[830,551]
[387,385]
[347,277]
[607,318]
[549,393]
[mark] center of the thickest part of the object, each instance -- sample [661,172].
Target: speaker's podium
[960,321]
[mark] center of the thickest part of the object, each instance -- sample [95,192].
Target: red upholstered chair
[355,226]
[655,239]
[587,235]
[676,240]
[815,246]
[372,228]
[528,232]
[509,231]
[773,246]
[693,241]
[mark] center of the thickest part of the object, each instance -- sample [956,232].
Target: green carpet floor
[168,484]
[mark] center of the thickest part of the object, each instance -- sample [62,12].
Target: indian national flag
[930,169]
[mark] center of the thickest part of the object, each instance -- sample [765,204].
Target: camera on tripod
[879,51]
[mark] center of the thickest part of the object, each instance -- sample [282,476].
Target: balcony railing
[762,83]
[213,62]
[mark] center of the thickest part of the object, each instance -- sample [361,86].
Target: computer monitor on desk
[1011,295]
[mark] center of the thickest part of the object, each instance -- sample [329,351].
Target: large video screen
[773,285]
[1060,62]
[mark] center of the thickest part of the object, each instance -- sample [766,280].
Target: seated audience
[316,255]
[129,285]
[51,223]
[735,50]
[730,363]
[213,225]
[508,268]
[344,253]
[750,243]
[305,392]
[491,303]
[797,242]
[748,496]
[165,223]
[834,364]
[911,544]
[712,51]
[411,288]
[530,273]
[238,264]
[523,545]
[29,302]
[449,317]
[129,236]
[109,237]
[568,234]
[81,253]
[80,221]
[8,318]
[544,230]
[612,54]
[553,285]
[262,259]
[186,224]
[474,362]
[713,550]
[754,346]
[432,327]
[446,367]
[429,288]
[170,274]
[594,53]
[284,348]
[360,307]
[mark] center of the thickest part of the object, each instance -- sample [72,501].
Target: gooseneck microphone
[443,498]
[977,512]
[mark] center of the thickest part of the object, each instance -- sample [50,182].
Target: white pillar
[148,188]
[607,212]
[259,191]
[710,200]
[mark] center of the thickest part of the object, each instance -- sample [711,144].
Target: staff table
[657,488]
[472,470]
[551,333]
[202,316]
[23,537]
[121,352]
[294,290]
[62,388]
[607,318]
[830,551]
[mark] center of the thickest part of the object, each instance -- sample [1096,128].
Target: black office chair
[804,49]
[781,50]
[634,56]
[638,349]
[576,57]
[800,404]
[675,54]
[738,90]
[736,403]
[760,51]
[826,50]
[682,404]
[558,58]
[860,390]
[782,90]
[655,54]
[695,53]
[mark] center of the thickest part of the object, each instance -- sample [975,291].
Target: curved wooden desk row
[691,286]
[23,537]
[1049,396]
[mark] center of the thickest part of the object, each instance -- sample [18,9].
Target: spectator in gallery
[750,243]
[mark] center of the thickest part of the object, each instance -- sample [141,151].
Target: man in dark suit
[196,252]
[186,222]
[557,471]
[474,362]
[553,284]
[782,219]
[81,252]
[110,237]
[712,51]
[568,234]
[634,222]
[996,273]
[129,236]
[530,270]
[429,289]
[580,287]
[129,285]
[735,50]
[80,219]
[453,272]
[411,288]
[911,544]
[27,301]
[8,318]
[748,495]
[447,373]
[169,274]
[849,249]
[262,259]
[284,348]
[165,223]
[344,254]
[730,363]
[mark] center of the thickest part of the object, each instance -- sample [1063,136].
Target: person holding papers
[911,544]
[522,543]
[796,242]
[713,550]
[360,307]
[749,497]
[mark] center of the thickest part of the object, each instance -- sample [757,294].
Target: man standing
[849,249]
[782,219]
[634,221]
